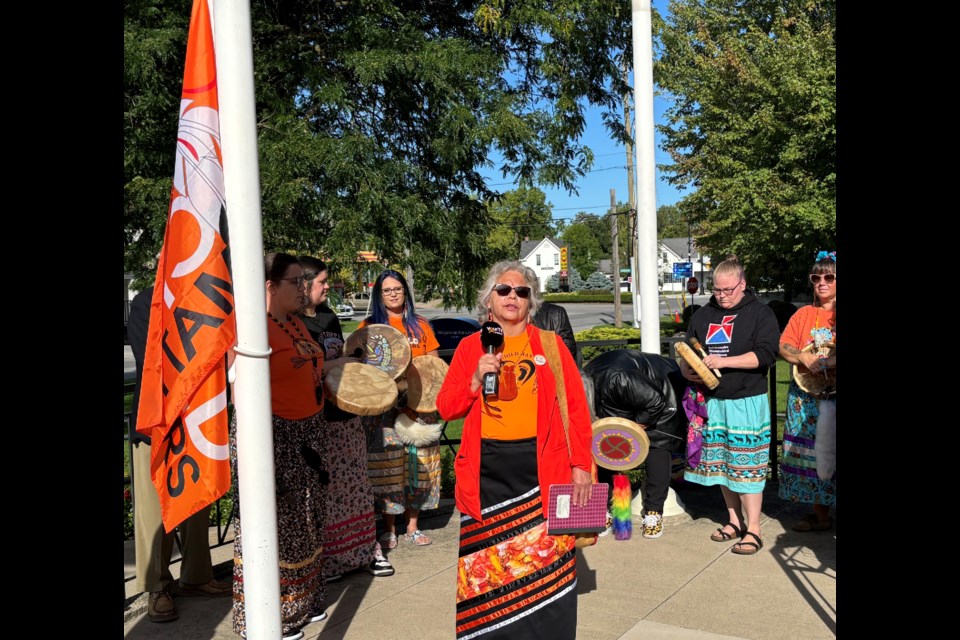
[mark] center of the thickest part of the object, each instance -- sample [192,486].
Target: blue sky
[609,167]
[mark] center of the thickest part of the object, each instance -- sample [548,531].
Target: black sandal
[724,536]
[752,547]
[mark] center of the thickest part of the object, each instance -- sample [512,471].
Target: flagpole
[646,245]
[238,134]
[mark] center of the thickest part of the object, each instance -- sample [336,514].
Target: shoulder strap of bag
[552,354]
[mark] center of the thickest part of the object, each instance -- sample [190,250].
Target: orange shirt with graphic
[296,367]
[513,414]
[417,347]
[797,332]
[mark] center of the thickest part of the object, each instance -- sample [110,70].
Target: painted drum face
[381,346]
[619,444]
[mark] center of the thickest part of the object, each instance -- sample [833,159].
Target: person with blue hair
[404,462]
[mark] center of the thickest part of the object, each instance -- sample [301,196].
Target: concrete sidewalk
[681,586]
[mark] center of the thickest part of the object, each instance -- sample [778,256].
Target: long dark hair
[275,265]
[378,310]
[312,267]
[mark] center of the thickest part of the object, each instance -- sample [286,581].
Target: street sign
[563,260]
[563,273]
[682,269]
[692,285]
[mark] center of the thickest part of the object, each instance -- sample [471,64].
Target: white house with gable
[543,256]
[673,250]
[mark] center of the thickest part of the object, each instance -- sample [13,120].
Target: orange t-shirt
[296,367]
[799,330]
[513,414]
[417,347]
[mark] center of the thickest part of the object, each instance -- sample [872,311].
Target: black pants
[656,483]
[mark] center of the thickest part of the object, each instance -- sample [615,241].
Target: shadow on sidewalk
[808,559]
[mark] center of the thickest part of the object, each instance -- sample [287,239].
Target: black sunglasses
[504,290]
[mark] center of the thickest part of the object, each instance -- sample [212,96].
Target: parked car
[343,310]
[360,301]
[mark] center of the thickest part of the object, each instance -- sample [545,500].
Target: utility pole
[690,253]
[615,228]
[632,199]
[409,274]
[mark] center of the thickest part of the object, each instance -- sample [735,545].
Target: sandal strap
[729,536]
[758,544]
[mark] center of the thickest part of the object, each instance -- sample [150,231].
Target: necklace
[284,327]
[305,348]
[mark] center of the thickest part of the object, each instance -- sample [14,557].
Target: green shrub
[226,507]
[606,333]
[127,514]
[588,296]
[598,282]
[447,478]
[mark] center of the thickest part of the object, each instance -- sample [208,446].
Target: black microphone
[491,337]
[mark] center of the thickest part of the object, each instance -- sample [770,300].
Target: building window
[538,259]
[556,259]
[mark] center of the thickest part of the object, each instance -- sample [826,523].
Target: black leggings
[657,481]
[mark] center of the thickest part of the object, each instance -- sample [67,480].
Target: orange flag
[183,397]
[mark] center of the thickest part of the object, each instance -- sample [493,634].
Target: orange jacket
[554,464]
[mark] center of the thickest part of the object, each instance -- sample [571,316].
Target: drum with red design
[619,444]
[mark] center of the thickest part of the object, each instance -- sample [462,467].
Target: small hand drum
[360,389]
[696,363]
[821,384]
[619,444]
[381,346]
[424,377]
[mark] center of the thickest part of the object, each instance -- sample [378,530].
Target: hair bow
[826,254]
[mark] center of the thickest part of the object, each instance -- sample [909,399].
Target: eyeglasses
[505,289]
[294,281]
[829,278]
[727,292]
[395,291]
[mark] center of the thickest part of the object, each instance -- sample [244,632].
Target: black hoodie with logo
[748,326]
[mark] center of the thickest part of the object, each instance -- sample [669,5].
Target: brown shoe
[809,522]
[212,589]
[160,607]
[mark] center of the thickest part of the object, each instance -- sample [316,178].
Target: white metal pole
[646,244]
[241,176]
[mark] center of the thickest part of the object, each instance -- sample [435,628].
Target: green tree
[375,118]
[670,224]
[585,251]
[598,282]
[519,214]
[753,128]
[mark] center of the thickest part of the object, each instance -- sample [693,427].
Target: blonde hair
[730,266]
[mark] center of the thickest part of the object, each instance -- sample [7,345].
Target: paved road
[582,315]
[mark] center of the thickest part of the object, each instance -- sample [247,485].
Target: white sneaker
[316,616]
[652,525]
